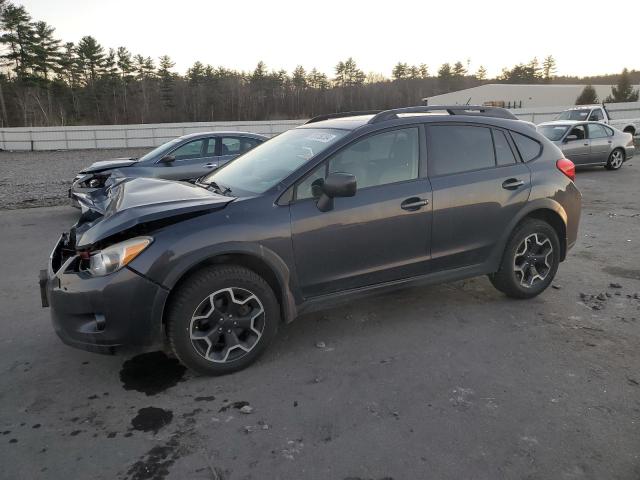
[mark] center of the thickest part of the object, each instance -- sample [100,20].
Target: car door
[479,184]
[578,147]
[600,143]
[188,161]
[382,233]
[231,147]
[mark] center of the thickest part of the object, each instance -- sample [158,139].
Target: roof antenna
[468,101]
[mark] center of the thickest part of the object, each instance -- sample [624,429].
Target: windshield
[268,164]
[159,150]
[581,114]
[553,132]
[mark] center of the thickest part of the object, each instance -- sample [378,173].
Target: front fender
[271,259]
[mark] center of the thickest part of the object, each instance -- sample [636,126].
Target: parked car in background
[184,158]
[599,113]
[345,205]
[590,143]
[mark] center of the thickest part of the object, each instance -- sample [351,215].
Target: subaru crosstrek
[347,204]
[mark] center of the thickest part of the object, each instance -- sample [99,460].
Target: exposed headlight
[94,183]
[115,257]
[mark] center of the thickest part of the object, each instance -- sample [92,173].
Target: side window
[527,146]
[609,131]
[458,148]
[230,146]
[189,150]
[596,115]
[247,144]
[379,159]
[596,131]
[211,147]
[504,154]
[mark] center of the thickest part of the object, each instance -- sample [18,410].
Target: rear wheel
[530,260]
[616,159]
[221,319]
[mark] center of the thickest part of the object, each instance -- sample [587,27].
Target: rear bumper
[629,152]
[102,314]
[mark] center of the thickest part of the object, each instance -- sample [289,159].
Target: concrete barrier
[151,135]
[125,136]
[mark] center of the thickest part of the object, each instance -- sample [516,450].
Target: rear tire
[616,159]
[530,260]
[222,319]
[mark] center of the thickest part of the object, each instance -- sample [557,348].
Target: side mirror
[168,159]
[570,138]
[337,184]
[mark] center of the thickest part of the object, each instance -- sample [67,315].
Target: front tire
[616,159]
[222,319]
[530,260]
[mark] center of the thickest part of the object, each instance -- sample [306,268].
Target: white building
[518,95]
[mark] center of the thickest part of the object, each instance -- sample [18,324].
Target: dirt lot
[447,382]
[41,179]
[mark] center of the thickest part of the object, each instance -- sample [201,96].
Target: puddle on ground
[151,419]
[151,373]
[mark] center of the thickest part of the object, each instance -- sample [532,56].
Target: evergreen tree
[458,70]
[548,68]
[623,91]
[90,58]
[167,81]
[46,50]
[399,72]
[481,74]
[317,80]
[444,72]
[299,78]
[588,96]
[18,39]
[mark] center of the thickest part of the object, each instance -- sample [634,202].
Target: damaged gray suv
[345,205]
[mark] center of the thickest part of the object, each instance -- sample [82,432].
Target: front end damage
[104,309]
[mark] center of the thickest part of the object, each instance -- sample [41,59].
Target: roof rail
[471,110]
[329,116]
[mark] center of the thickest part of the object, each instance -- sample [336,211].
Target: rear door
[479,184]
[577,149]
[600,143]
[382,233]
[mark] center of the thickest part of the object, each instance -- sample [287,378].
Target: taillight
[567,167]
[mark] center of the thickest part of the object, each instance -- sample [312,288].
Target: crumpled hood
[108,165]
[127,202]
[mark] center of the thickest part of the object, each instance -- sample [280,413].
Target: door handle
[586,144]
[512,184]
[414,203]
[210,165]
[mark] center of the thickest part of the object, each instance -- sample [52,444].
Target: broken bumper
[100,314]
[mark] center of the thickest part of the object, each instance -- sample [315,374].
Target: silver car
[590,143]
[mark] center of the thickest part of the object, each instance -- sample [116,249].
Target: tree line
[45,81]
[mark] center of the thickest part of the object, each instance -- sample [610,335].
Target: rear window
[527,146]
[459,148]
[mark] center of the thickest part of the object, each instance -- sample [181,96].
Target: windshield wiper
[217,188]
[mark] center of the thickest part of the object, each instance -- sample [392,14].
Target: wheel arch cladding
[277,280]
[543,209]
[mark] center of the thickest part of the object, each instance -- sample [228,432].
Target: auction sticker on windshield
[321,137]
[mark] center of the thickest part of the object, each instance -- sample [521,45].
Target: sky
[283,34]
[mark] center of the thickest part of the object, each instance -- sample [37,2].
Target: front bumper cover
[101,314]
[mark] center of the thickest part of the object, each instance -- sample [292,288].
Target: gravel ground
[453,381]
[41,179]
